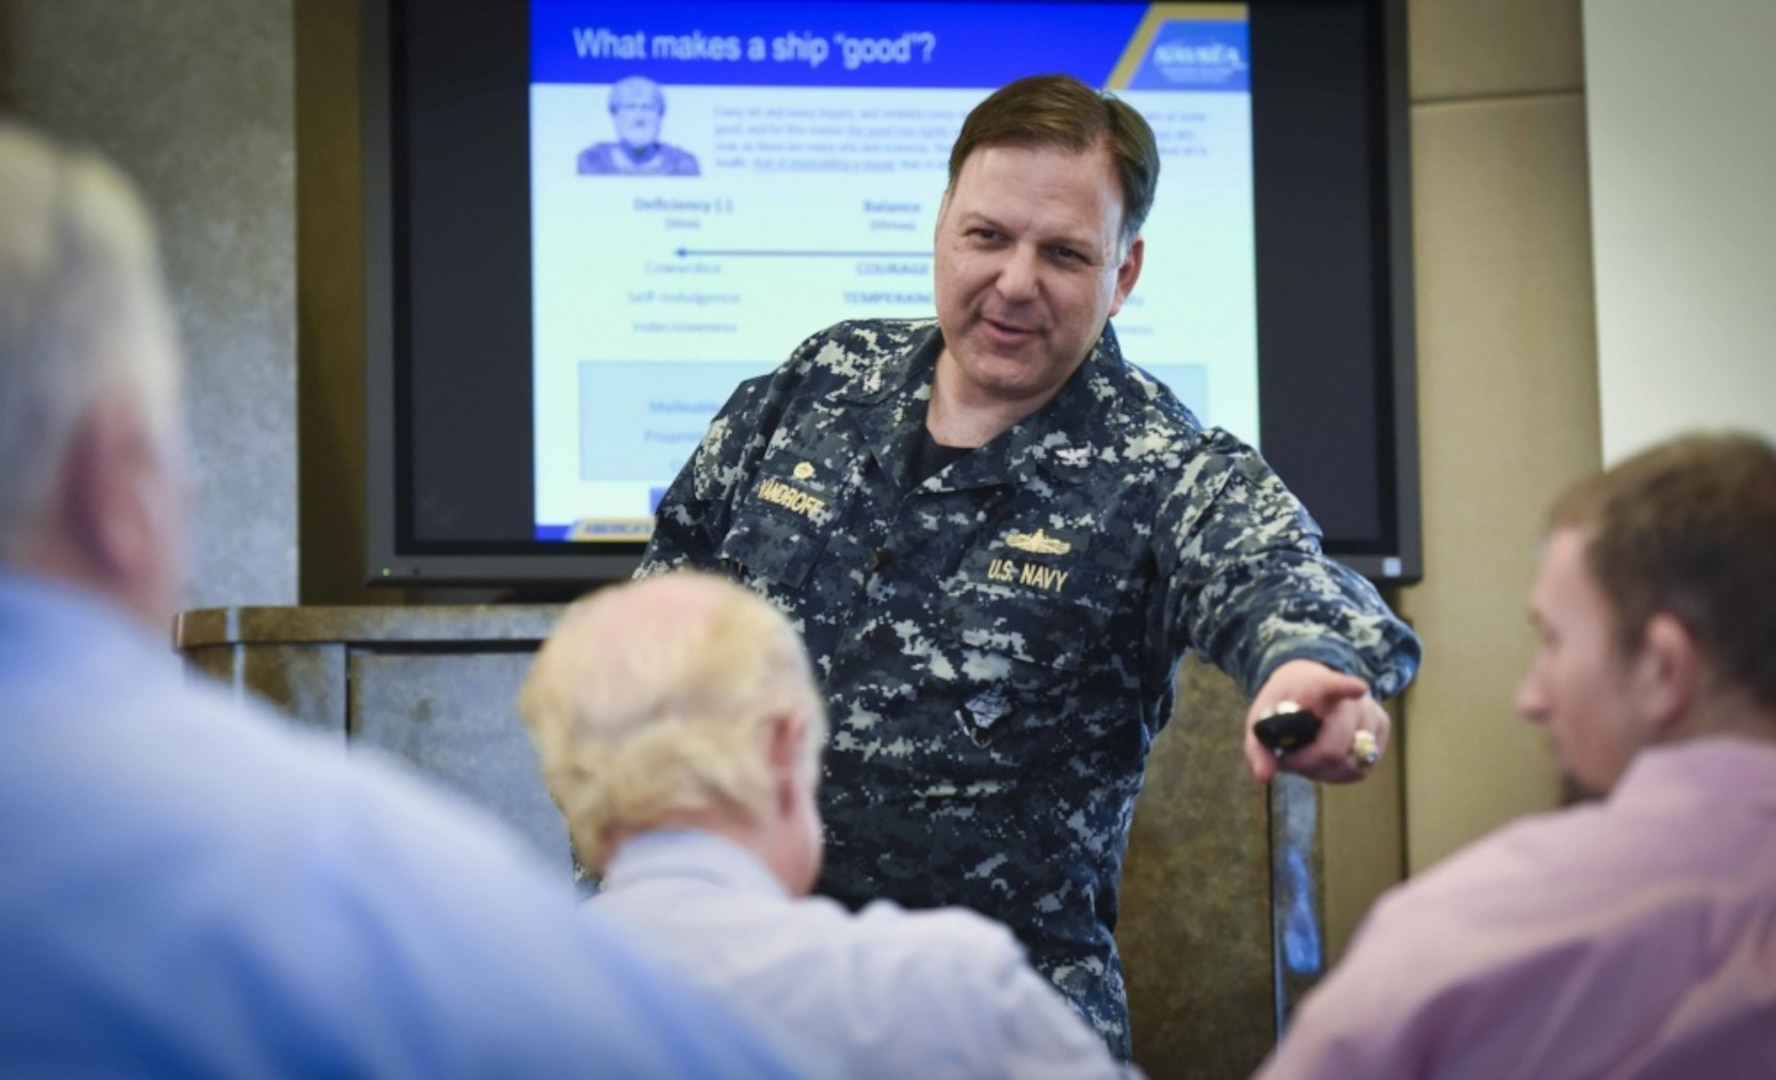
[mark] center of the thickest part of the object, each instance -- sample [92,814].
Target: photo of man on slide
[636,108]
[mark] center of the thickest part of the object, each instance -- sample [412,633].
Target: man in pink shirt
[1634,935]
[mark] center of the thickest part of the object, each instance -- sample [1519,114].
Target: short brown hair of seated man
[680,730]
[1634,934]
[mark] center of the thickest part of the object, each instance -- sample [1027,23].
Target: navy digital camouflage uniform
[997,644]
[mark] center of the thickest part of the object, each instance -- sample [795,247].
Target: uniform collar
[892,392]
[897,373]
[1059,442]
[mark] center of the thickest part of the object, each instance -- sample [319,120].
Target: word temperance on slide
[711,183]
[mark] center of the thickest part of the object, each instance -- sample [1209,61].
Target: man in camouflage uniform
[999,538]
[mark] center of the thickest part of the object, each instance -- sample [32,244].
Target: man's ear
[784,752]
[1667,674]
[108,507]
[1128,273]
[103,493]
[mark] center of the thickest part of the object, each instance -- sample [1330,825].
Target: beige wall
[1507,387]
[1683,152]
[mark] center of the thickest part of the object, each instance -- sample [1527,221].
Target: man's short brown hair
[1689,528]
[1060,112]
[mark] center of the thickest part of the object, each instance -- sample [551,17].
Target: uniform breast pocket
[1047,634]
[780,530]
[1016,651]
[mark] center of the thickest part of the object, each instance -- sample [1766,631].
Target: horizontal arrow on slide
[687,252]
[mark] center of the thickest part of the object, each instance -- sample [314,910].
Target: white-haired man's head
[91,480]
[681,700]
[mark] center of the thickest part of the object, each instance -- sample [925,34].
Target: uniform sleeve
[1250,589]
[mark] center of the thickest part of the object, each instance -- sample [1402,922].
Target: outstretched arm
[1255,595]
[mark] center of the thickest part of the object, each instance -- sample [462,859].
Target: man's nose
[1020,276]
[1531,703]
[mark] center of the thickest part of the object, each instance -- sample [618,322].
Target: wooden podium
[1222,923]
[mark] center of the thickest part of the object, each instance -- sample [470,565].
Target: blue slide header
[949,45]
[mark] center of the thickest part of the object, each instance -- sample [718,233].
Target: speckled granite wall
[194,98]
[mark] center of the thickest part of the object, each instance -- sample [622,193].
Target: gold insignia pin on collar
[802,471]
[1039,543]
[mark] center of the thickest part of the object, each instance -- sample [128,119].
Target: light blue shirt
[885,992]
[191,887]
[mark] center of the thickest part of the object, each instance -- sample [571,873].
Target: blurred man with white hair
[190,887]
[681,730]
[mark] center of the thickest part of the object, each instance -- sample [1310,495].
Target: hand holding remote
[1286,727]
[1304,719]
